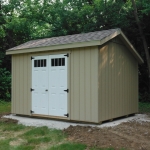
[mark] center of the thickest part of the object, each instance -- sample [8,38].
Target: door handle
[46,90]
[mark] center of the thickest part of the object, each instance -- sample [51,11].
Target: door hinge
[67,90]
[32,57]
[67,115]
[67,55]
[31,111]
[31,89]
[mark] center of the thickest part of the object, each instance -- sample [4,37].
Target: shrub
[5,84]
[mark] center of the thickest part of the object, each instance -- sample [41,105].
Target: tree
[143,40]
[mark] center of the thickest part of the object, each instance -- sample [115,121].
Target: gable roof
[73,41]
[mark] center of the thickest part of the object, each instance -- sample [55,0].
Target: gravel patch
[38,122]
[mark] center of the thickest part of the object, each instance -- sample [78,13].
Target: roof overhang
[80,44]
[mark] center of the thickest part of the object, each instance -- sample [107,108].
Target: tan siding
[20,84]
[12,86]
[118,93]
[84,84]
[81,86]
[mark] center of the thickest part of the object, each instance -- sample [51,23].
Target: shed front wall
[118,81]
[82,83]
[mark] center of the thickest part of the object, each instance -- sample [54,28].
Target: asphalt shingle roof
[84,37]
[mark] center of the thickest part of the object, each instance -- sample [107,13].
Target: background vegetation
[25,20]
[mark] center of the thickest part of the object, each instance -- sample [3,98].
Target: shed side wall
[84,84]
[118,81]
[21,84]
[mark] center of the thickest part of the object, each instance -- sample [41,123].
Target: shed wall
[84,84]
[118,81]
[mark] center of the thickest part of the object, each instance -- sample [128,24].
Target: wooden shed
[89,77]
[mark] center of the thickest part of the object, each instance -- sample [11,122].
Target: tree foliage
[24,20]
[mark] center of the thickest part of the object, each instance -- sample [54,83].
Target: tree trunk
[144,42]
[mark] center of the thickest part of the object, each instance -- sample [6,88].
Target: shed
[90,77]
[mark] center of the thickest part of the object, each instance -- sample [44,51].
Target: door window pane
[44,63]
[59,61]
[52,62]
[35,63]
[56,62]
[39,63]
[63,61]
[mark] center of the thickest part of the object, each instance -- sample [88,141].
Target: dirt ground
[129,135]
[7,120]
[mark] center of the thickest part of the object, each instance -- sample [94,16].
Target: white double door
[49,82]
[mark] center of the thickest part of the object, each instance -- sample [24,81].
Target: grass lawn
[19,137]
[5,107]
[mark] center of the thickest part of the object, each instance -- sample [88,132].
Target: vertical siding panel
[21,84]
[12,85]
[104,53]
[17,85]
[122,83]
[72,83]
[113,81]
[131,93]
[99,83]
[87,85]
[110,81]
[29,83]
[81,84]
[94,82]
[116,76]
[128,86]
[76,84]
[119,70]
[102,76]
[25,80]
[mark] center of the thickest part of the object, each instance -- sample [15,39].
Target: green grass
[39,140]
[55,135]
[19,137]
[23,147]
[4,144]
[69,146]
[5,107]
[12,127]
[144,107]
[39,131]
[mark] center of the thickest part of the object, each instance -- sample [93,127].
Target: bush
[5,84]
